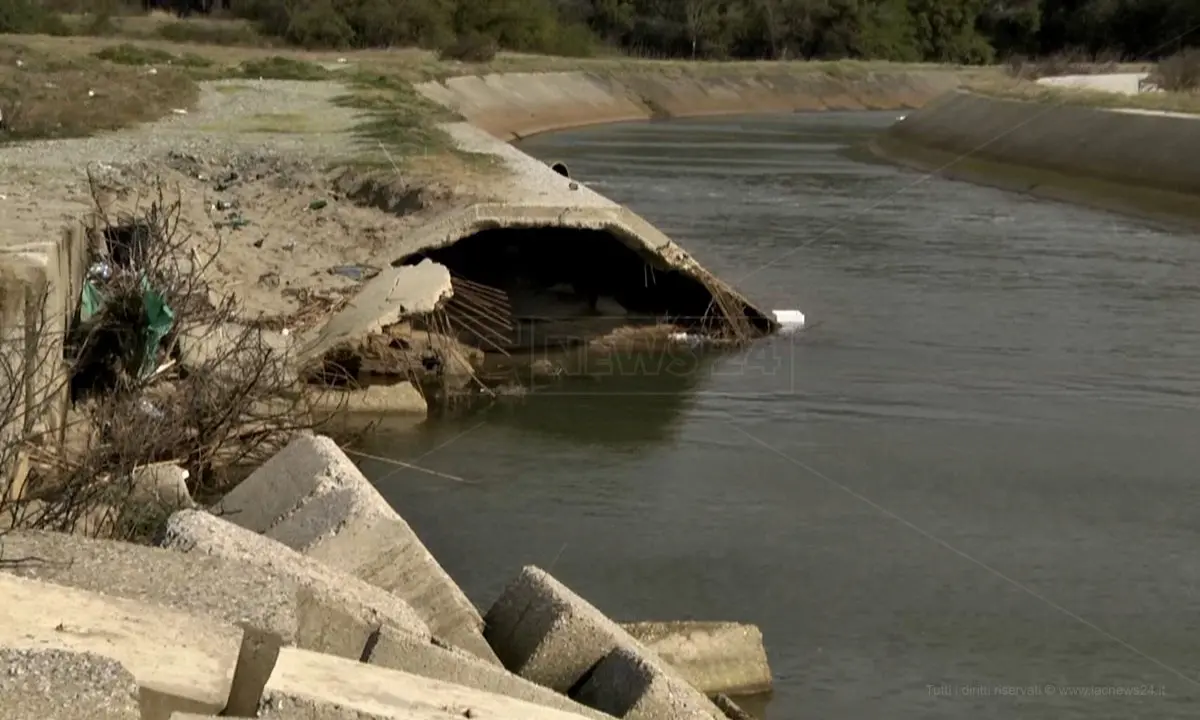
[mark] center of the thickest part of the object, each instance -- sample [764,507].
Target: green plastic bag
[160,318]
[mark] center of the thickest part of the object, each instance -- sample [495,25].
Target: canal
[969,489]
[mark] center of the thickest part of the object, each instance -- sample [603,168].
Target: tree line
[957,31]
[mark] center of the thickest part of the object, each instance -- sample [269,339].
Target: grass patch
[129,54]
[48,96]
[1033,92]
[278,67]
[399,120]
[212,32]
[279,123]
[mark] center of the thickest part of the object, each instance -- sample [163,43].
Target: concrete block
[307,466]
[312,612]
[544,632]
[452,665]
[354,529]
[180,661]
[313,499]
[345,599]
[311,686]
[627,685]
[715,657]
[61,685]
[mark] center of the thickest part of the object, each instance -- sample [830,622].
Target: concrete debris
[311,685]
[544,632]
[386,299]
[163,484]
[313,499]
[179,661]
[361,608]
[715,657]
[456,666]
[228,589]
[62,685]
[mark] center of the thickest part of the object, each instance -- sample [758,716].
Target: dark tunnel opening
[566,286]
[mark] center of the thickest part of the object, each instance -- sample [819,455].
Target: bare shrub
[215,397]
[1179,72]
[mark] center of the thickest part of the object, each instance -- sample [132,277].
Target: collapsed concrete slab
[386,299]
[61,685]
[627,685]
[302,610]
[180,661]
[715,657]
[456,666]
[313,499]
[544,632]
[311,685]
[348,600]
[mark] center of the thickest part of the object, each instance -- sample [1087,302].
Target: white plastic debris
[20,63]
[901,118]
[152,71]
[179,111]
[91,93]
[790,320]
[686,338]
[341,60]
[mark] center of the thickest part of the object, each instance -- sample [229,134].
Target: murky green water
[978,473]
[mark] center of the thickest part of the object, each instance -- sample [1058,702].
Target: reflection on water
[976,470]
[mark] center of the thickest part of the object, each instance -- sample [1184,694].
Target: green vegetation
[47,96]
[278,67]
[127,54]
[959,31]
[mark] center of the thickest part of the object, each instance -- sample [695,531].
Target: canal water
[970,489]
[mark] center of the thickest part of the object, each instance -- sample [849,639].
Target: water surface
[978,469]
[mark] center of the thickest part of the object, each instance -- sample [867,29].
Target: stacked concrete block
[62,685]
[544,632]
[715,657]
[311,685]
[630,685]
[349,602]
[461,668]
[316,610]
[180,662]
[313,499]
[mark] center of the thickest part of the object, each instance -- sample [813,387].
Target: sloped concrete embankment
[514,105]
[1138,162]
[302,594]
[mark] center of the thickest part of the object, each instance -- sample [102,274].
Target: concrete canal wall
[1140,162]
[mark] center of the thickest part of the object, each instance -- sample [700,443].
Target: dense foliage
[968,31]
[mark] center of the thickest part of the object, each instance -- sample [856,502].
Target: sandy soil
[251,168]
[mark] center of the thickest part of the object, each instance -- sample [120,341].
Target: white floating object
[179,111]
[341,60]
[791,320]
[91,93]
[153,71]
